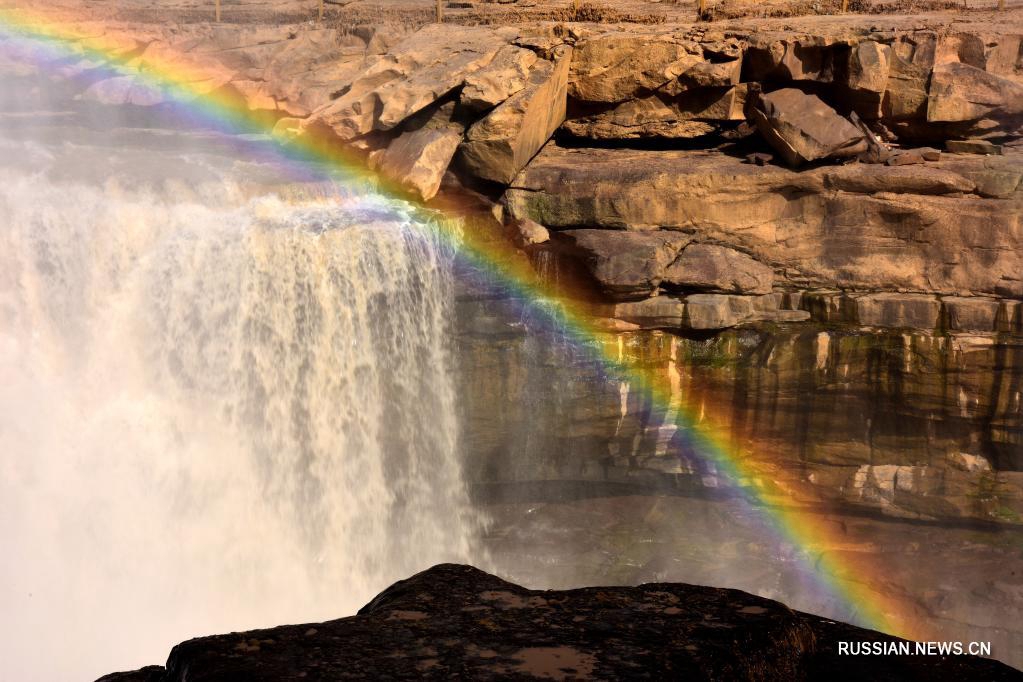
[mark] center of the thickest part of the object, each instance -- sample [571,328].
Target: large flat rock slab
[950,227]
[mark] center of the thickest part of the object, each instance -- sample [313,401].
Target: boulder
[618,66]
[506,75]
[909,70]
[625,265]
[717,311]
[659,312]
[710,267]
[803,128]
[419,156]
[960,92]
[867,68]
[307,71]
[499,145]
[898,311]
[711,74]
[458,622]
[419,71]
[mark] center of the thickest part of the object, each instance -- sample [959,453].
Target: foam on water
[213,416]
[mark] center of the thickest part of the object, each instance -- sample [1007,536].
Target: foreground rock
[457,622]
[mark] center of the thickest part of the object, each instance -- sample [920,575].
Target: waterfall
[214,415]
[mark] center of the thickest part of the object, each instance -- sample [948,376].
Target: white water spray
[212,419]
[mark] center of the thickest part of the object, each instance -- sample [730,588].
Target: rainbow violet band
[774,494]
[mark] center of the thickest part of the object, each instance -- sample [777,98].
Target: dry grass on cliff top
[412,14]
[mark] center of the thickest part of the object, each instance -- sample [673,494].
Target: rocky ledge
[457,622]
[685,170]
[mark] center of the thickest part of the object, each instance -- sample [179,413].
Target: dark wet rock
[801,127]
[457,622]
[151,673]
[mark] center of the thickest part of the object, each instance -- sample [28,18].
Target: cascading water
[217,412]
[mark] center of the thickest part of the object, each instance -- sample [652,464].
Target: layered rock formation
[484,103]
[458,622]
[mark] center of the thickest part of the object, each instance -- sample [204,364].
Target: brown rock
[803,128]
[868,67]
[419,156]
[527,232]
[417,72]
[625,264]
[618,66]
[688,115]
[917,228]
[717,311]
[898,311]
[960,92]
[711,74]
[870,179]
[905,159]
[499,145]
[911,60]
[506,75]
[659,312]
[973,147]
[971,314]
[710,267]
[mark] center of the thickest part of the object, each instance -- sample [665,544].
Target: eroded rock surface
[455,621]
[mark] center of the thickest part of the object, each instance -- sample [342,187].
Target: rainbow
[771,492]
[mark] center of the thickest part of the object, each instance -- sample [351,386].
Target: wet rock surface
[455,621]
